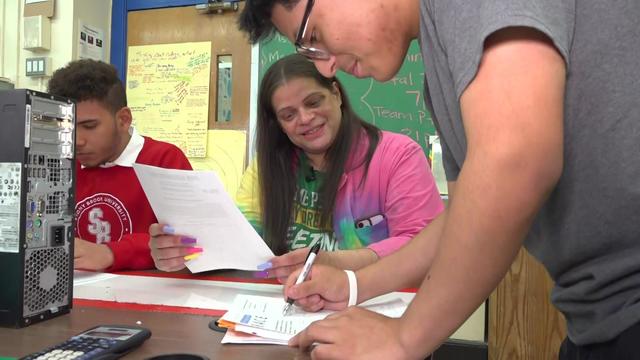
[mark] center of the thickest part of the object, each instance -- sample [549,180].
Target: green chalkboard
[396,105]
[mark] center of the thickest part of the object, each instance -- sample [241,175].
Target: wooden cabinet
[522,322]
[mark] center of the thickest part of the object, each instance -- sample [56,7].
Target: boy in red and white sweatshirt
[112,211]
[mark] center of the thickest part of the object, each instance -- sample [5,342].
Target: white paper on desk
[81,277]
[195,204]
[262,316]
[237,337]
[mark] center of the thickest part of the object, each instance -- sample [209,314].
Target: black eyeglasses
[308,51]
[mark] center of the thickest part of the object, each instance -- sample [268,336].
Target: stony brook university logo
[103,218]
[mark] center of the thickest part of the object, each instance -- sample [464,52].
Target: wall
[64,46]
[9,35]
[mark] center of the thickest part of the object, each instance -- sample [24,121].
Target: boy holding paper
[112,212]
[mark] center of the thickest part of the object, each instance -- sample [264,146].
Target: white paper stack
[259,319]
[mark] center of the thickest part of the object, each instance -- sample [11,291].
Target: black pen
[313,253]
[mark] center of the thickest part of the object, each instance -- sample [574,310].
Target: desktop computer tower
[37,186]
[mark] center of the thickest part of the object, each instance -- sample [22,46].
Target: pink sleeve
[412,199]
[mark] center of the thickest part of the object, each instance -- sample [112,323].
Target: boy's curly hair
[255,18]
[88,79]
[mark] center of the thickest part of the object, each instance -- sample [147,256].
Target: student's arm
[512,112]
[88,255]
[131,253]
[451,188]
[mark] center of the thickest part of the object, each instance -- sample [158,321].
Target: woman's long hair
[277,154]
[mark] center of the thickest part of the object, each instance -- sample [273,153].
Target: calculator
[104,342]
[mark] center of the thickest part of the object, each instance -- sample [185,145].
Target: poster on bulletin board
[168,92]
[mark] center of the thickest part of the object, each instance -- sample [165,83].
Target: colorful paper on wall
[226,154]
[168,93]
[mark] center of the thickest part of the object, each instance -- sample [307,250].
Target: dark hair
[255,18]
[88,79]
[276,154]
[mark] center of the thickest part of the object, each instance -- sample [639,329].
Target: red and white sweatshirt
[111,207]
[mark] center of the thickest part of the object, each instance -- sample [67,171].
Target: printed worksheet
[262,317]
[195,204]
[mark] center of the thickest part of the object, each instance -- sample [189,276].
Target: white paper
[262,316]
[166,291]
[81,277]
[195,204]
[237,337]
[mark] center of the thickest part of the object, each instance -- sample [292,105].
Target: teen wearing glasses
[323,175]
[523,94]
[309,51]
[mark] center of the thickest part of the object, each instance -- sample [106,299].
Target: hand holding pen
[313,253]
[327,288]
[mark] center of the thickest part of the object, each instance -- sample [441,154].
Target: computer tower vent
[53,168]
[55,202]
[46,280]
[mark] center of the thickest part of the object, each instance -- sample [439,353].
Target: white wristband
[353,287]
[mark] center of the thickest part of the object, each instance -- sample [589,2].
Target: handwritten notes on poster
[168,93]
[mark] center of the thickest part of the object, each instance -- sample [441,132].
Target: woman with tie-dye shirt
[323,174]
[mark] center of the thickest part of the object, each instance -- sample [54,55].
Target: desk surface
[171,333]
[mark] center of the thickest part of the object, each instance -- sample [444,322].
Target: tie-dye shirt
[397,199]
[306,230]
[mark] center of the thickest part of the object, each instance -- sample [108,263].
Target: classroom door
[229,47]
